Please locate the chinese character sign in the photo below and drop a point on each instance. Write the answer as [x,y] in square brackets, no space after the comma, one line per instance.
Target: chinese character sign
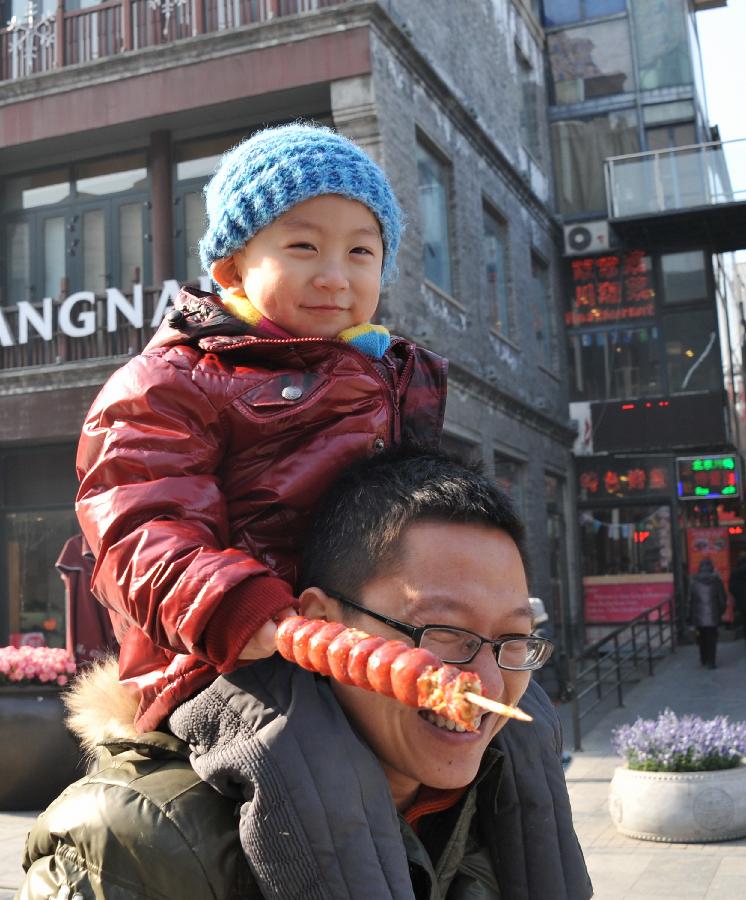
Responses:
[623,478]
[610,288]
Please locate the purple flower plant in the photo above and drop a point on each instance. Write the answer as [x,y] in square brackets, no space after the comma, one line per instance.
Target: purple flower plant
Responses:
[686,744]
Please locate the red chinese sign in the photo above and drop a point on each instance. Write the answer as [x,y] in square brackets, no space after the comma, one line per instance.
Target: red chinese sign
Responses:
[610,288]
[623,478]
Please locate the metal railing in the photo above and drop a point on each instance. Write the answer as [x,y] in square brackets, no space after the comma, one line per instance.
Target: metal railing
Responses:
[92,332]
[618,660]
[39,43]
[676,179]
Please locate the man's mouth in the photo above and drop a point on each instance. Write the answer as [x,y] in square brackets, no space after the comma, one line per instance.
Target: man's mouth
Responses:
[442,722]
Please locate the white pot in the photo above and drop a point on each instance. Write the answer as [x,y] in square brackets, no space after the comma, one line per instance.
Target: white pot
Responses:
[681,807]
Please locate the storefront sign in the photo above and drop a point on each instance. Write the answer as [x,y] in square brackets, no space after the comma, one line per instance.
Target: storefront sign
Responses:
[712,544]
[612,288]
[619,598]
[708,477]
[79,314]
[611,478]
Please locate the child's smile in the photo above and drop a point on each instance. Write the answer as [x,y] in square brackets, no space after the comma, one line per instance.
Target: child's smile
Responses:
[315,271]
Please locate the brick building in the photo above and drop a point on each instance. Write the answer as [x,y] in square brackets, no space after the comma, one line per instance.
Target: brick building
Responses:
[112,117]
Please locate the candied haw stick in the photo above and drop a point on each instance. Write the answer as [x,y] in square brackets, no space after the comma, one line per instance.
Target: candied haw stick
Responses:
[413,676]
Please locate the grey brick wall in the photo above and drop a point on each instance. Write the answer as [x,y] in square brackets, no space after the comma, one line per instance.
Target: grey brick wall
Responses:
[447,73]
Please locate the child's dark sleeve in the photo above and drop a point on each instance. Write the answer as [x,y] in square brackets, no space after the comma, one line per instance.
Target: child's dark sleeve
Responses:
[151,507]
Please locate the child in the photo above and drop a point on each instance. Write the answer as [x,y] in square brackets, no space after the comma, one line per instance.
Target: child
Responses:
[202,459]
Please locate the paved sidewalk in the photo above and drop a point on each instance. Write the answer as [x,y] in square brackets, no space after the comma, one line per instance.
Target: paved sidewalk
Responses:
[622,868]
[627,869]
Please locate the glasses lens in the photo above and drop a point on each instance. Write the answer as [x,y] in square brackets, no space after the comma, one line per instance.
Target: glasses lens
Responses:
[524,653]
[450,645]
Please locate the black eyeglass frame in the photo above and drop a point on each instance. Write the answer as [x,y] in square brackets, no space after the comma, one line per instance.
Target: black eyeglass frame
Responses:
[416,633]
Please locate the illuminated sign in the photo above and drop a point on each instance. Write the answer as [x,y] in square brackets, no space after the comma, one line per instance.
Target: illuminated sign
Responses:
[611,288]
[604,479]
[708,477]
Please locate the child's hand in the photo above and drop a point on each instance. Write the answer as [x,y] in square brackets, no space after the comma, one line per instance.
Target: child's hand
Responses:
[262,644]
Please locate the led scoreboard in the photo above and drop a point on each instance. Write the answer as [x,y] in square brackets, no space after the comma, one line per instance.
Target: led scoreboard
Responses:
[708,477]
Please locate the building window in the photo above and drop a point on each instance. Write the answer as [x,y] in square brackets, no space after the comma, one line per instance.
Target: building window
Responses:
[36,519]
[79,228]
[626,540]
[592,61]
[545,328]
[664,136]
[663,51]
[554,492]
[684,277]
[580,148]
[692,351]
[496,279]
[433,178]
[565,12]
[615,365]
[530,107]
[458,448]
[509,478]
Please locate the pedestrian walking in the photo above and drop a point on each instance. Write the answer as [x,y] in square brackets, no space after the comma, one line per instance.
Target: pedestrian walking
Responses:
[707,599]
[737,587]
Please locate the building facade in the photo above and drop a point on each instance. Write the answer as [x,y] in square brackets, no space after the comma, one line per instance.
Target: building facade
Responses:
[112,118]
[650,211]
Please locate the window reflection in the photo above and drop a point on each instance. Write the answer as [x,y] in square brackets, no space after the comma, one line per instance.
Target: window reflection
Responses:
[432,177]
[626,540]
[495,245]
[39,189]
[615,364]
[111,176]
[684,277]
[692,351]
[662,46]
[588,62]
[580,147]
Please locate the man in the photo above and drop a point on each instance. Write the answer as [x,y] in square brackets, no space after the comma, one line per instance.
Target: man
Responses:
[355,795]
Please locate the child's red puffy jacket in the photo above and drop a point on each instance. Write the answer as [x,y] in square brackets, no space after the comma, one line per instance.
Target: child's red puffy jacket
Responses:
[201,462]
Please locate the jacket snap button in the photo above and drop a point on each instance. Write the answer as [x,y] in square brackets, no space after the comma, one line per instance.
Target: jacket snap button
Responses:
[292,393]
[379,445]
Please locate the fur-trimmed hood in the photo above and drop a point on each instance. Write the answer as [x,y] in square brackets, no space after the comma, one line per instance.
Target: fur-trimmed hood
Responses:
[100,709]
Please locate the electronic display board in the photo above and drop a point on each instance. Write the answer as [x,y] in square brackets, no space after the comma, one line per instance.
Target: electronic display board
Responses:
[708,477]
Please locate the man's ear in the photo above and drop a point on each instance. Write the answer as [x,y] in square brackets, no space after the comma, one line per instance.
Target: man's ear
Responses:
[225,273]
[313,603]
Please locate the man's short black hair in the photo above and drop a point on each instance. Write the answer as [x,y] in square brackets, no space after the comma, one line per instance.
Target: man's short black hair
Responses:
[357,531]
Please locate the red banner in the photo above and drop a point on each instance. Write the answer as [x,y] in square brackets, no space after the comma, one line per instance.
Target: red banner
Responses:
[619,598]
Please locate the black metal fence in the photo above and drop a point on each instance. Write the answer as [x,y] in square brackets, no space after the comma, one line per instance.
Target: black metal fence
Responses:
[617,661]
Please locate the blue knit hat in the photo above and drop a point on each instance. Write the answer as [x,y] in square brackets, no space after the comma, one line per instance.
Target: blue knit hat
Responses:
[273,170]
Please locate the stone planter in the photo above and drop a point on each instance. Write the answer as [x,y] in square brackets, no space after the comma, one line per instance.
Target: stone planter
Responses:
[680,807]
[39,755]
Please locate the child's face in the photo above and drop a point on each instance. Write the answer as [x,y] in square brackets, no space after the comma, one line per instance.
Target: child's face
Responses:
[315,270]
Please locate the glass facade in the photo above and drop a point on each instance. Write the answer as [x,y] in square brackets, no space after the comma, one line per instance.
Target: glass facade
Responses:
[580,147]
[36,519]
[626,540]
[663,51]
[616,364]
[591,61]
[673,349]
[565,12]
[433,180]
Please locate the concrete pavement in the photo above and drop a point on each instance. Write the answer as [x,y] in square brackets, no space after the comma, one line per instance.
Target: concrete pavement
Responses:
[622,868]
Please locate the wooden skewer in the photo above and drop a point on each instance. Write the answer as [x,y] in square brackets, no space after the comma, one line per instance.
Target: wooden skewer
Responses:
[512,712]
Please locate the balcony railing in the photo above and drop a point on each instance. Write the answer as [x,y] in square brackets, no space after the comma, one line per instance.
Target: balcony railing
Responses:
[677,179]
[70,330]
[41,43]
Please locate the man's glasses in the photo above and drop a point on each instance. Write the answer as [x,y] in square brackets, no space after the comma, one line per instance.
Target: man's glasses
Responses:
[517,653]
